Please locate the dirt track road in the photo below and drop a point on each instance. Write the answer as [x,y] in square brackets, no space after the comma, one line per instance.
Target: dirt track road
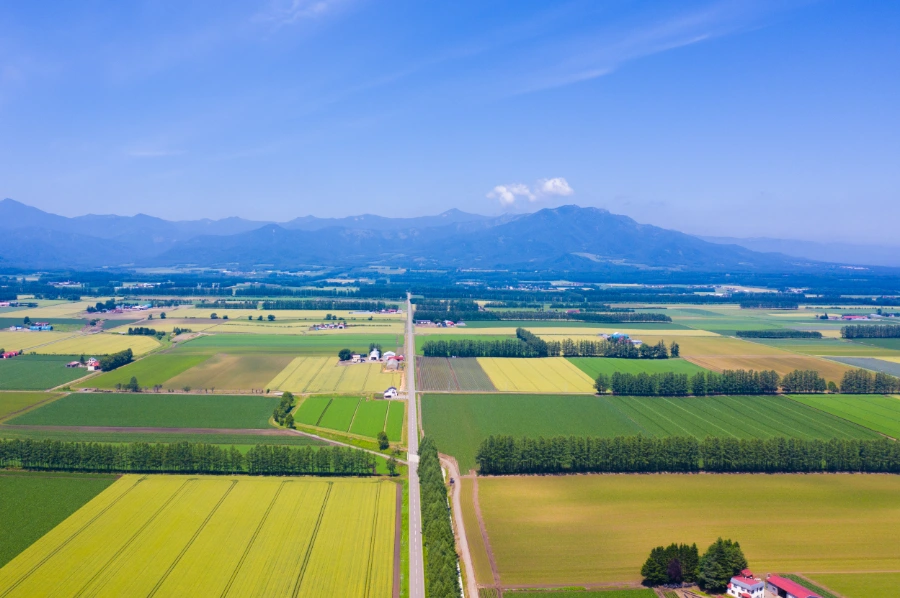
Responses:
[462,541]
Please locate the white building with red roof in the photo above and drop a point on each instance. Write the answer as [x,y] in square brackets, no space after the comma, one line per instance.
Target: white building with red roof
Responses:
[746,585]
[785,588]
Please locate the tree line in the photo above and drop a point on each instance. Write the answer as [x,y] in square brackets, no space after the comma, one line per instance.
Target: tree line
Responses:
[862,381]
[442,565]
[504,455]
[116,360]
[184,457]
[769,304]
[782,333]
[527,344]
[679,563]
[325,304]
[282,414]
[229,304]
[729,382]
[144,331]
[871,331]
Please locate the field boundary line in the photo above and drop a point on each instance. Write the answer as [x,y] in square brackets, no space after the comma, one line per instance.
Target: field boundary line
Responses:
[321,415]
[372,543]
[385,422]
[495,572]
[819,584]
[240,564]
[134,537]
[15,414]
[62,545]
[841,417]
[190,542]
[312,542]
[353,418]
[453,375]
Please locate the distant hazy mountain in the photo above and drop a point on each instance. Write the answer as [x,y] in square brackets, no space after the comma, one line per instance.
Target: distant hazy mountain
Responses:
[568,237]
[838,253]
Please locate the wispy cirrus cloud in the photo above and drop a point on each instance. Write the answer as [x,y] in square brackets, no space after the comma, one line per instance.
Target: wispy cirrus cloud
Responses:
[291,11]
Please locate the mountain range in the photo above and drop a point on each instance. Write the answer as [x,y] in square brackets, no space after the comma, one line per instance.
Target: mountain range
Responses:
[563,238]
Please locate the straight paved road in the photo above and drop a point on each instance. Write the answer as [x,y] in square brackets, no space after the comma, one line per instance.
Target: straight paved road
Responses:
[416,562]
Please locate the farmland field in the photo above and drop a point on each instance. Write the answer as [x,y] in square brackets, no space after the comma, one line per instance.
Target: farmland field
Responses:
[312,374]
[295,327]
[566,324]
[12,402]
[599,528]
[309,315]
[59,324]
[37,372]
[339,413]
[34,503]
[287,343]
[153,410]
[459,423]
[217,536]
[421,339]
[871,363]
[828,347]
[593,366]
[783,364]
[267,436]
[860,585]
[882,343]
[548,374]
[150,371]
[310,410]
[27,341]
[99,344]
[230,372]
[443,374]
[394,425]
[370,418]
[877,412]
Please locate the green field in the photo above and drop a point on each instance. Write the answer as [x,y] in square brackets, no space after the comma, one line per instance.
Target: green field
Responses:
[592,366]
[576,530]
[34,503]
[235,372]
[339,413]
[149,371]
[882,343]
[370,418]
[153,410]
[227,439]
[394,426]
[286,343]
[827,346]
[581,593]
[877,412]
[310,410]
[12,402]
[572,324]
[860,585]
[424,338]
[37,372]
[59,324]
[460,422]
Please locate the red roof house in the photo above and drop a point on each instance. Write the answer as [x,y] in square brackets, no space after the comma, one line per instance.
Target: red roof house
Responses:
[788,589]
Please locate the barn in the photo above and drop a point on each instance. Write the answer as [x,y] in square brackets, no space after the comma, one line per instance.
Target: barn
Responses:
[785,588]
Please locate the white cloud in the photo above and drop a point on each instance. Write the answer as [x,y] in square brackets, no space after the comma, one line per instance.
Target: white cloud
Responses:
[543,188]
[554,186]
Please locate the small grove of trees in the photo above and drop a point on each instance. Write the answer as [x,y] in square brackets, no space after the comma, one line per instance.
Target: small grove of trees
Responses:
[700,384]
[442,567]
[527,344]
[184,457]
[803,381]
[871,331]
[722,560]
[282,414]
[862,381]
[143,331]
[345,354]
[383,442]
[676,563]
[779,333]
[116,360]
[176,331]
[506,455]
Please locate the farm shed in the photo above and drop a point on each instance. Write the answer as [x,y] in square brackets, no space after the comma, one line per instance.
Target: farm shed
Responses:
[785,588]
[375,355]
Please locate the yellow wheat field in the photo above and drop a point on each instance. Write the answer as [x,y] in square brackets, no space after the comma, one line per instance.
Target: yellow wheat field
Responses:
[63,309]
[217,536]
[247,327]
[99,344]
[547,374]
[317,374]
[23,340]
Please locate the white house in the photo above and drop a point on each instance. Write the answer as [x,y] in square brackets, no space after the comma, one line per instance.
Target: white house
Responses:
[745,585]
[356,358]
[391,393]
[93,365]
[374,355]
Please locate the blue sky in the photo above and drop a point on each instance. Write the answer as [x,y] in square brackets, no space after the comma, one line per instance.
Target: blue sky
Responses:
[741,118]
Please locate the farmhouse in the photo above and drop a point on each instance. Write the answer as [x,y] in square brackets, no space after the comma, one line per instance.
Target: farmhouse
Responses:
[391,393]
[73,364]
[745,585]
[93,365]
[9,354]
[356,358]
[854,317]
[785,588]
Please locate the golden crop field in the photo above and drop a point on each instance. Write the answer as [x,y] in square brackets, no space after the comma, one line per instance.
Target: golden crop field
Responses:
[217,536]
[295,327]
[590,333]
[26,340]
[99,344]
[167,325]
[714,345]
[62,309]
[280,314]
[317,374]
[546,374]
[783,364]
[232,372]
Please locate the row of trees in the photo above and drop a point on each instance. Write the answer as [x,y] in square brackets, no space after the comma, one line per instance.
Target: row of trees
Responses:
[442,565]
[144,331]
[527,344]
[116,360]
[779,333]
[282,414]
[500,455]
[325,304]
[671,384]
[184,457]
[229,304]
[862,381]
[871,331]
[679,563]
[769,304]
